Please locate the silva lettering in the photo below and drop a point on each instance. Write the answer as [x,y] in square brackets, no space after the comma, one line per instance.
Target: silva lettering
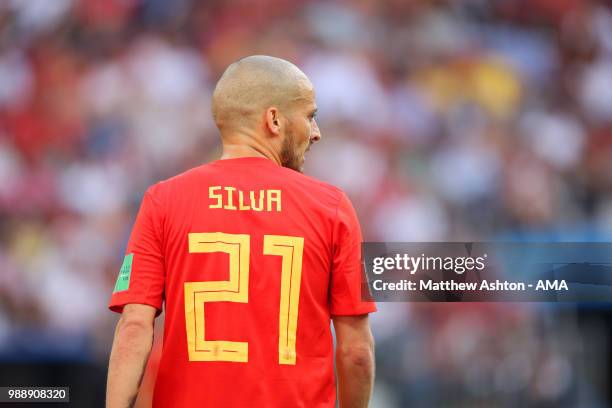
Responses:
[233,199]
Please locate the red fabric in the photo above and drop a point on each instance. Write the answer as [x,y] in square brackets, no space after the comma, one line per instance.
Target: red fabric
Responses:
[330,284]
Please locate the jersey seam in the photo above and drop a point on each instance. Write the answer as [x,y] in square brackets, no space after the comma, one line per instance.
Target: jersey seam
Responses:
[162,243]
[162,217]
[332,250]
[335,223]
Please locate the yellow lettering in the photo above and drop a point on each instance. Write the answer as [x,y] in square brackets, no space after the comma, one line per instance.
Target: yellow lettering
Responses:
[211,195]
[291,249]
[241,205]
[254,205]
[256,202]
[230,198]
[274,196]
[236,289]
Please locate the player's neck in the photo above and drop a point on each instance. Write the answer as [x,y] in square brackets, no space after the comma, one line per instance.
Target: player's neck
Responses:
[235,151]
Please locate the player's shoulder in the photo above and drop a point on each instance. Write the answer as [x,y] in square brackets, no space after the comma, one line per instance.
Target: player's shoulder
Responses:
[186,175]
[313,195]
[311,184]
[288,178]
[169,186]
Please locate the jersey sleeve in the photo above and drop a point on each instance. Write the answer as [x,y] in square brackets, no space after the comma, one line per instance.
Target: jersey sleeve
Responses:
[348,279]
[142,274]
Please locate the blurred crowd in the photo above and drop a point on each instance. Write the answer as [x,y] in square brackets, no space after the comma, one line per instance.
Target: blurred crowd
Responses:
[443,120]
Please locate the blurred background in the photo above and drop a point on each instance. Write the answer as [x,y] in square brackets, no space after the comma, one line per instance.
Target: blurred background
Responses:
[464,120]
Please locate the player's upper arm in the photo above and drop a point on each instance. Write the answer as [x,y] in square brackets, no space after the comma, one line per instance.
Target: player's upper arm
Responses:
[137,316]
[353,335]
[142,276]
[347,275]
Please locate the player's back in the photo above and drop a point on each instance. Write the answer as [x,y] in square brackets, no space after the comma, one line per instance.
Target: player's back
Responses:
[248,252]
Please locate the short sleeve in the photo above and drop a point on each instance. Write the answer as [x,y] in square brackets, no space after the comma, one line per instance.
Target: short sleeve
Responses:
[348,280]
[141,276]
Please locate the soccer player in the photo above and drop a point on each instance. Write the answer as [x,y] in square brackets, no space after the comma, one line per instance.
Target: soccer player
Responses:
[252,259]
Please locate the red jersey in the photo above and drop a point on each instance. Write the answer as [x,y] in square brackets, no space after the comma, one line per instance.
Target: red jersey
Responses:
[251,260]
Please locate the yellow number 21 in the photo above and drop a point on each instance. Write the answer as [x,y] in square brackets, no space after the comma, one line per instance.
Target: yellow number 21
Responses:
[236,289]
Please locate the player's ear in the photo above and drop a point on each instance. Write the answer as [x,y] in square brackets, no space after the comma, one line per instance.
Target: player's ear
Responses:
[273,120]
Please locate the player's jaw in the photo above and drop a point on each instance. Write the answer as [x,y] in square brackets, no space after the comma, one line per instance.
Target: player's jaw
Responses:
[293,153]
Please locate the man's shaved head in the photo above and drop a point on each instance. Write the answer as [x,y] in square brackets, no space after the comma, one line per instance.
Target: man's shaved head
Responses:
[251,85]
[265,106]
